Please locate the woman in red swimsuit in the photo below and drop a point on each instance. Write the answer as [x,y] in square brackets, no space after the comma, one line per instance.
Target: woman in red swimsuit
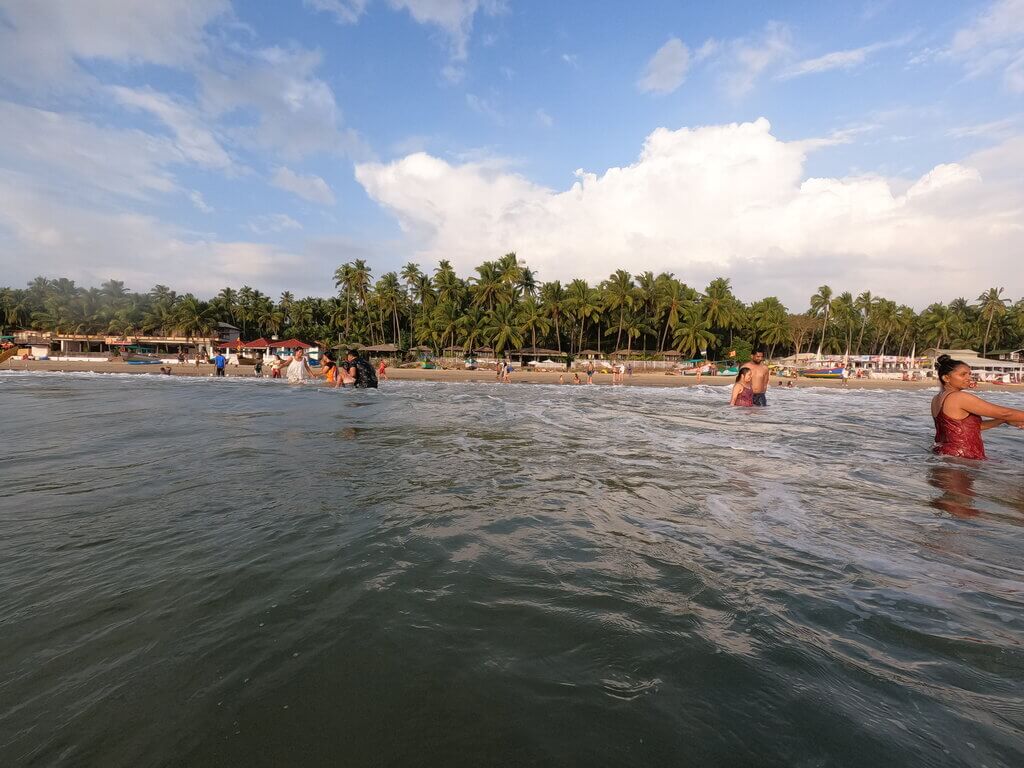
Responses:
[957,414]
[743,389]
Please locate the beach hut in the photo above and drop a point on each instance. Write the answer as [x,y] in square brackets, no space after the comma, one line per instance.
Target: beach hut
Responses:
[985,368]
[381,350]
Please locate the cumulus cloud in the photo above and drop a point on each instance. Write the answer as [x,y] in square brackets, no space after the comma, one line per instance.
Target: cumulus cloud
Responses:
[724,200]
[666,70]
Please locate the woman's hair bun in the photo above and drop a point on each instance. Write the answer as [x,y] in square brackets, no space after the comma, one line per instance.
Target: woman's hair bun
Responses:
[943,358]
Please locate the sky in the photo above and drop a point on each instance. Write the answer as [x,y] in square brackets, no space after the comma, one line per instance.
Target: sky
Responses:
[874,145]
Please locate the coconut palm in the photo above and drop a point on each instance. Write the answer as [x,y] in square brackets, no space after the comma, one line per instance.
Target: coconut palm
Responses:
[992,305]
[821,306]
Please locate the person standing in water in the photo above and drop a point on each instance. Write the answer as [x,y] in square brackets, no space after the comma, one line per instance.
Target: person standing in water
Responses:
[743,390]
[958,414]
[759,378]
[357,372]
[298,369]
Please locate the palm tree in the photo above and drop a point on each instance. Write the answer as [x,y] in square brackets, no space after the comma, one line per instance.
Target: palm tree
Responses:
[488,286]
[821,304]
[992,305]
[620,294]
[693,333]
[533,318]
[552,297]
[864,303]
[503,329]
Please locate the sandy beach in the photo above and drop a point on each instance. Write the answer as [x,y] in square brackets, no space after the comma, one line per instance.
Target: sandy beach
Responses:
[482,376]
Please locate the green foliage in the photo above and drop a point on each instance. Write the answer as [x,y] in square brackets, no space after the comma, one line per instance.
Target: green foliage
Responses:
[503,305]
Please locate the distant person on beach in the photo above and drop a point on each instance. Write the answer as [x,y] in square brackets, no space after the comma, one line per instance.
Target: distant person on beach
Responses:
[181,357]
[759,378]
[358,372]
[298,368]
[499,370]
[257,369]
[590,372]
[382,370]
[561,378]
[575,378]
[507,378]
[958,414]
[743,389]
[220,361]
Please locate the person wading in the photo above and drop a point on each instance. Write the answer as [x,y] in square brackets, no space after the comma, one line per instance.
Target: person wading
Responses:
[759,375]
[957,414]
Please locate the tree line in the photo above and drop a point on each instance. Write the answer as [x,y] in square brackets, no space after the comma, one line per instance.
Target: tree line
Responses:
[504,306]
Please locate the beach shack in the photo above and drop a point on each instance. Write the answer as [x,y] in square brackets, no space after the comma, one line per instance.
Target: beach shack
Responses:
[388,351]
[986,369]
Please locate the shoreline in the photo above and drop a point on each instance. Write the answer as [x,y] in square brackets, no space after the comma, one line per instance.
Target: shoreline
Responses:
[488,377]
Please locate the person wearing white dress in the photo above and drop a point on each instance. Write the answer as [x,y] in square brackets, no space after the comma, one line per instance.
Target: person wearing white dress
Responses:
[298,369]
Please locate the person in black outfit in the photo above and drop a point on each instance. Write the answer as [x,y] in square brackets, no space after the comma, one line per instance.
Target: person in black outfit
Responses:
[358,371]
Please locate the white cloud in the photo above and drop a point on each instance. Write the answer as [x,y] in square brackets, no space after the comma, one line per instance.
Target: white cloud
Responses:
[666,69]
[747,59]
[295,112]
[54,238]
[994,42]
[273,222]
[453,17]
[40,40]
[571,59]
[195,143]
[840,59]
[199,201]
[80,157]
[311,187]
[344,11]
[725,200]
[544,119]
[485,107]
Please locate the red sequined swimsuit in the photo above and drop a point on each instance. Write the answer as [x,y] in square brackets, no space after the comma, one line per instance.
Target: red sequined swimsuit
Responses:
[958,437]
[745,399]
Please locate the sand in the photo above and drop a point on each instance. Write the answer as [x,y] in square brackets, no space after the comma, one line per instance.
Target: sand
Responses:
[483,376]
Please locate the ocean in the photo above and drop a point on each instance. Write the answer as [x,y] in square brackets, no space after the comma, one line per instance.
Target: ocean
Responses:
[201,572]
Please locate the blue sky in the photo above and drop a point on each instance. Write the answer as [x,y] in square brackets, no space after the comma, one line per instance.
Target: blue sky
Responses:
[871,145]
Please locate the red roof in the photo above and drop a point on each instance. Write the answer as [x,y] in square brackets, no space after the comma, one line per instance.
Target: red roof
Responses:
[289,344]
[259,343]
[236,344]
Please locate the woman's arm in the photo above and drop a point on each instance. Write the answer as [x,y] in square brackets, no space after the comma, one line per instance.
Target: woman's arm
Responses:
[979,407]
[991,423]
[736,389]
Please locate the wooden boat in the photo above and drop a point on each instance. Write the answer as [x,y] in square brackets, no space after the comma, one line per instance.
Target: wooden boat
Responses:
[823,373]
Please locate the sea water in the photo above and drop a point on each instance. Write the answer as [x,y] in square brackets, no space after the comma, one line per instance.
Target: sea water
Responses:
[204,572]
